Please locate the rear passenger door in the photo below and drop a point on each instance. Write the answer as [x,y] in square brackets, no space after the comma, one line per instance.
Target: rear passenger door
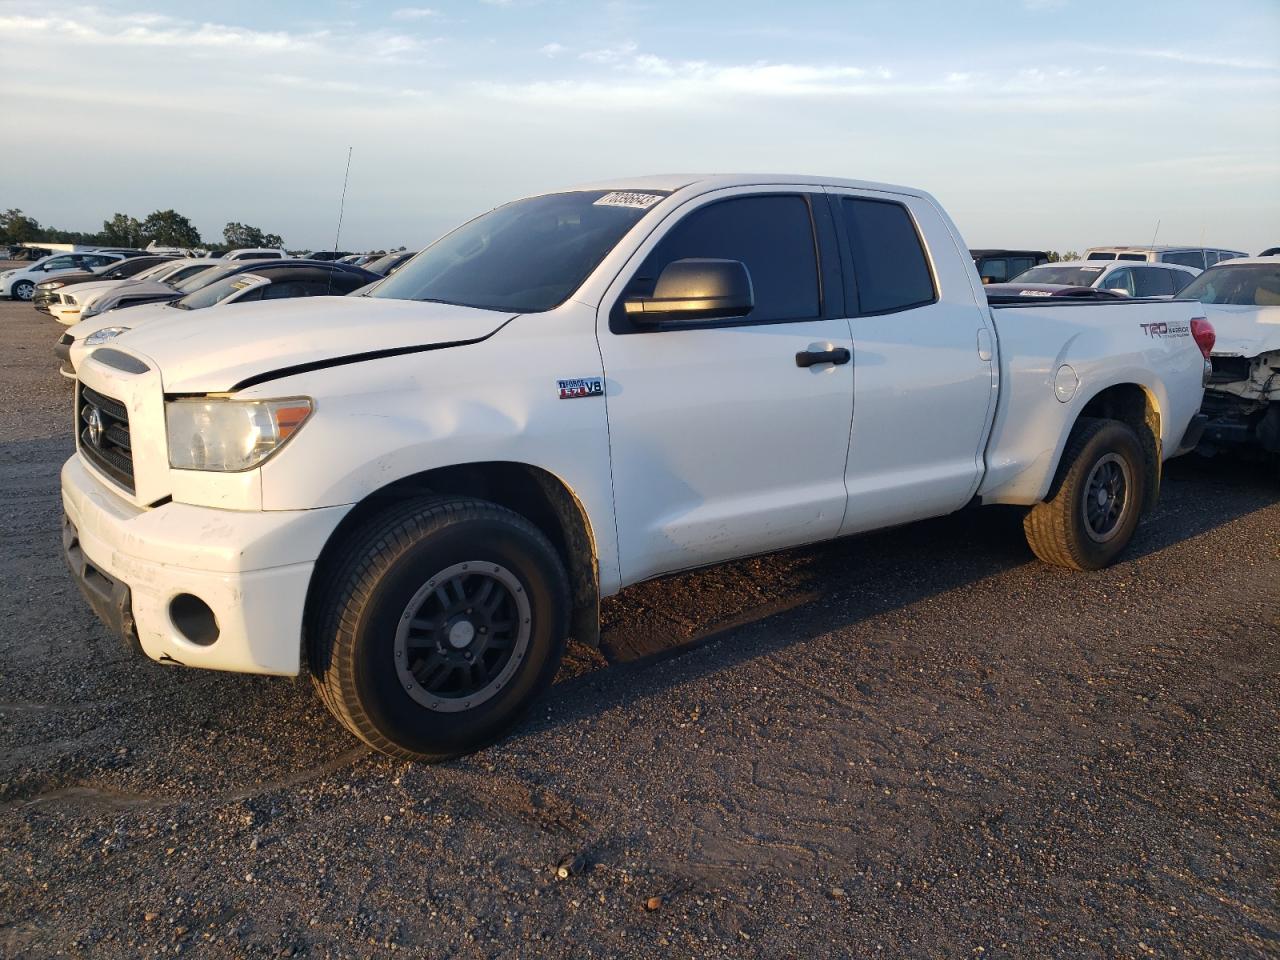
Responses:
[923,383]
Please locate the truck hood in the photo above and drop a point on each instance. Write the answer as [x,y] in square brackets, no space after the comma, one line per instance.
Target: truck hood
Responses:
[214,350]
[1243,331]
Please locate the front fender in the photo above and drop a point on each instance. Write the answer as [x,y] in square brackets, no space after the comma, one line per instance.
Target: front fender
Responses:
[384,420]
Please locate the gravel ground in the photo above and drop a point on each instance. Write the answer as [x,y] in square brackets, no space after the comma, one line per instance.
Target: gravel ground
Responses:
[918,743]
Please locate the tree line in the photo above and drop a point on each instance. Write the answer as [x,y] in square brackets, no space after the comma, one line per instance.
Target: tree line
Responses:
[166,228]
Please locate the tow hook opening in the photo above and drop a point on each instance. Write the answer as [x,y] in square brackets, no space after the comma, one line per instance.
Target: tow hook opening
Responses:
[193,618]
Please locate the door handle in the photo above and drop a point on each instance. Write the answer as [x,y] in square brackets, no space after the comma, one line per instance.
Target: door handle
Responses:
[808,358]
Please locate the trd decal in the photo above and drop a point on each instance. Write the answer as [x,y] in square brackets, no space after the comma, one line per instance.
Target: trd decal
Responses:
[582,387]
[1177,328]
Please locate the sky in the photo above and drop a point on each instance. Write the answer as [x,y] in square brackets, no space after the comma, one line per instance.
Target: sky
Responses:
[1050,124]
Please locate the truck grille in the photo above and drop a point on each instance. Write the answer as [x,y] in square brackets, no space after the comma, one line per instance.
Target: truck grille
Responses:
[104,435]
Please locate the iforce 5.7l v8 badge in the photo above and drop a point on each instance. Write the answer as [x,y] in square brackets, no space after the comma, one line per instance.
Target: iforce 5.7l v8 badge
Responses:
[582,387]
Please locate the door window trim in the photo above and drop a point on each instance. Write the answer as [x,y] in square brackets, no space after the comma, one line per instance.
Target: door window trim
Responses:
[826,265]
[846,257]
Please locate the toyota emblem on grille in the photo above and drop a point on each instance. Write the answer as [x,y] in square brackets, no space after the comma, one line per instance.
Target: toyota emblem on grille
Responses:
[95,426]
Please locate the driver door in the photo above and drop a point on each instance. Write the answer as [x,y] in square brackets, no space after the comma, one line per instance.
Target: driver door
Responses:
[721,443]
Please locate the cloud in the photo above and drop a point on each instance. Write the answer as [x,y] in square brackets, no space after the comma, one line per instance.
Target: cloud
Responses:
[552,49]
[159,31]
[606,55]
[1183,56]
[414,13]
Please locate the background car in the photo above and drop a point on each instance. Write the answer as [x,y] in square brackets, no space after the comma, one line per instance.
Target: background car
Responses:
[247,284]
[255,253]
[1198,257]
[20,284]
[1241,298]
[95,297]
[1126,278]
[47,290]
[385,266]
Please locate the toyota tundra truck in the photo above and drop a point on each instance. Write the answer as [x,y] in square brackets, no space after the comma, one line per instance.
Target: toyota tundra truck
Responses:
[416,496]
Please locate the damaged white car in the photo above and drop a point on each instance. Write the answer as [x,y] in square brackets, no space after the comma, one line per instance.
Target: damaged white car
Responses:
[1242,398]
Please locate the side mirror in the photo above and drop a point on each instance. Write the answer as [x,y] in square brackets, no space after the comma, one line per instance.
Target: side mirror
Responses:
[693,290]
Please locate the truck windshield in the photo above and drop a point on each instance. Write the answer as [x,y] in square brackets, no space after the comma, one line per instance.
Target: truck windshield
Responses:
[524,257]
[1253,285]
[1069,276]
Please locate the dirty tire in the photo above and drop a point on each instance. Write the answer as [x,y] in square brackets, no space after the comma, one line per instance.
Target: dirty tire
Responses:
[24,290]
[1064,530]
[378,574]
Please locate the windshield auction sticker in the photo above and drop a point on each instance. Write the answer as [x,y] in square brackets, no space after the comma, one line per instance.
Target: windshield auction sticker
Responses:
[639,201]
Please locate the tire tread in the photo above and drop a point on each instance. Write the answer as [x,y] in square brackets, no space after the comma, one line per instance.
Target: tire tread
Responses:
[347,588]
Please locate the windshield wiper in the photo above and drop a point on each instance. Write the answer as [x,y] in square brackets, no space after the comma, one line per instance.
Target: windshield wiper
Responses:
[179,304]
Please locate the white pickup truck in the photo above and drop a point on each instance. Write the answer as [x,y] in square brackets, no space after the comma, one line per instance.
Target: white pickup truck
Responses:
[417,495]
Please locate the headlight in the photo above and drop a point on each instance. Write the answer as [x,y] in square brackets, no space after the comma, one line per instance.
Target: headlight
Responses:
[103,335]
[51,284]
[90,311]
[230,435]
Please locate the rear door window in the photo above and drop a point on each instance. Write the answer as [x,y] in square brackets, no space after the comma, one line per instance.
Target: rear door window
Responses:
[890,269]
[1152,282]
[1179,279]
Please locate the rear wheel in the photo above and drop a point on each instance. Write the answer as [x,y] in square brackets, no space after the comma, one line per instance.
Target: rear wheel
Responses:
[1096,500]
[439,625]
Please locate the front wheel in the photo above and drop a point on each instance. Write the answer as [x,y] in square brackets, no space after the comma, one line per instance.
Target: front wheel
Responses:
[1096,500]
[24,290]
[441,622]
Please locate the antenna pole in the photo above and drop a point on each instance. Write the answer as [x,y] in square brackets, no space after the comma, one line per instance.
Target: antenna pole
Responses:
[342,204]
[1153,236]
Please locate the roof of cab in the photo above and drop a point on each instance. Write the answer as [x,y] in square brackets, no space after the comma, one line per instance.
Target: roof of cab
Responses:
[714,181]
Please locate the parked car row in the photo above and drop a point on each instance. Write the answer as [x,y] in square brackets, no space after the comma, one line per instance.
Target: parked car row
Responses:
[99,312]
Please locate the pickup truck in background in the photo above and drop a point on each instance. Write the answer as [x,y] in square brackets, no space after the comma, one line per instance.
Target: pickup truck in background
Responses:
[417,495]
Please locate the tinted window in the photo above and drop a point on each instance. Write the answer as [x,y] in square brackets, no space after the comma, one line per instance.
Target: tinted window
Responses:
[889,264]
[1138,257]
[1186,258]
[1101,256]
[60,263]
[1152,282]
[289,289]
[523,257]
[1179,279]
[995,270]
[340,284]
[1020,265]
[772,235]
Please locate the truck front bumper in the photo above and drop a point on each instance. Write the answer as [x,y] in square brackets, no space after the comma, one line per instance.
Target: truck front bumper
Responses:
[195,586]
